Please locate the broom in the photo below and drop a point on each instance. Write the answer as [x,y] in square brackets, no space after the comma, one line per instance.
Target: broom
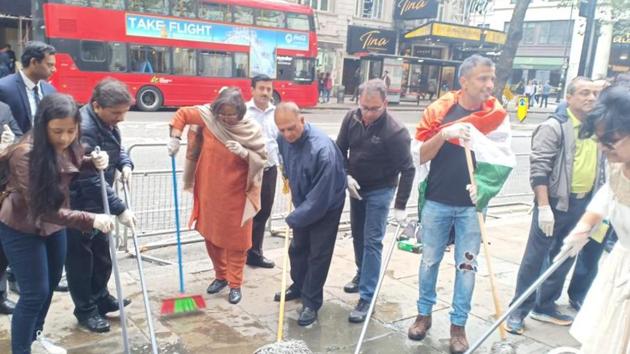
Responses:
[182,304]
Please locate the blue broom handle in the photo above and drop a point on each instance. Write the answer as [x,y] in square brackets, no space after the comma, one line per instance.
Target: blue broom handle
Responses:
[177,226]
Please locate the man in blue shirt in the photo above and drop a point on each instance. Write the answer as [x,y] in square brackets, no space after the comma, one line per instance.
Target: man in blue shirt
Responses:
[314,167]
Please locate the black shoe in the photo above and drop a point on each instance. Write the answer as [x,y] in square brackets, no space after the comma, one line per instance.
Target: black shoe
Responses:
[359,313]
[63,285]
[577,305]
[110,304]
[7,306]
[95,324]
[353,285]
[307,316]
[289,294]
[260,262]
[235,295]
[216,286]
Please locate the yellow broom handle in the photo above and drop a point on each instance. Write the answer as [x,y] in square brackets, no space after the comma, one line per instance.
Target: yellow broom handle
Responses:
[484,241]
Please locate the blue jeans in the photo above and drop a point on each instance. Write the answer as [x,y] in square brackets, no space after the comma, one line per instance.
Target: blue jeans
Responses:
[437,221]
[539,253]
[37,263]
[368,218]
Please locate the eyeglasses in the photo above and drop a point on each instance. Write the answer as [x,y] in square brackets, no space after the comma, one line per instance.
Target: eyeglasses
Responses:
[610,144]
[223,115]
[371,109]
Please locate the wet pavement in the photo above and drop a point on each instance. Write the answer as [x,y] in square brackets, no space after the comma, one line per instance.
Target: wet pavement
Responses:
[242,328]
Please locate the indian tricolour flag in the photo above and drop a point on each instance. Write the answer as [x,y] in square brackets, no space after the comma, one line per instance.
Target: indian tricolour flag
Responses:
[490,141]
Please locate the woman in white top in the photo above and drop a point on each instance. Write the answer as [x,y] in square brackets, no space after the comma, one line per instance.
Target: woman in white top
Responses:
[603,323]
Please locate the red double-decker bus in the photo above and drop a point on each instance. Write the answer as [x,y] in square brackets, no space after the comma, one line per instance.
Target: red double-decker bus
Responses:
[180,52]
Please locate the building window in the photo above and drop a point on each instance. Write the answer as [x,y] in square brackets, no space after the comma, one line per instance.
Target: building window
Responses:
[321,5]
[184,61]
[215,64]
[215,12]
[147,59]
[183,8]
[369,9]
[546,32]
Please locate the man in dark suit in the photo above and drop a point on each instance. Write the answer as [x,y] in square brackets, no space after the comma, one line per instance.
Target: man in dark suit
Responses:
[23,90]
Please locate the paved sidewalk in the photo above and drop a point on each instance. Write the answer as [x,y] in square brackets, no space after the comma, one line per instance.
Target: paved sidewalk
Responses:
[235,329]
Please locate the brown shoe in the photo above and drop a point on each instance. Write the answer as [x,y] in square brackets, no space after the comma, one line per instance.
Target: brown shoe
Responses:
[459,343]
[418,329]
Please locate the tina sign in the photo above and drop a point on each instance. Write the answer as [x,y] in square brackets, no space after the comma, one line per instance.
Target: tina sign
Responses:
[364,39]
[415,9]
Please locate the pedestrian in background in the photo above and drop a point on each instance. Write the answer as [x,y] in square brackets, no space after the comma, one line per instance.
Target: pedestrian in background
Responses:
[546,90]
[328,86]
[261,111]
[314,167]
[89,264]
[529,92]
[376,151]
[321,87]
[35,212]
[564,173]
[227,184]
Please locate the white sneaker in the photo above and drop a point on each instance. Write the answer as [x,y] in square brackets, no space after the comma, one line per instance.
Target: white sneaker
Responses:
[44,345]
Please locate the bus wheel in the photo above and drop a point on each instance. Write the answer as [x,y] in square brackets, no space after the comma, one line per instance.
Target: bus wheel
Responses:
[149,99]
[276,97]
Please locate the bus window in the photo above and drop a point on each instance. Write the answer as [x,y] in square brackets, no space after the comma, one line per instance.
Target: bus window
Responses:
[183,8]
[215,64]
[244,15]
[241,64]
[108,4]
[93,51]
[298,22]
[118,61]
[270,18]
[74,2]
[150,6]
[304,69]
[184,61]
[149,60]
[215,12]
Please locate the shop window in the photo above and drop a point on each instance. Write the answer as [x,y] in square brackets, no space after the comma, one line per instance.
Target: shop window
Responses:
[118,61]
[183,8]
[146,59]
[215,64]
[369,9]
[149,6]
[241,65]
[270,18]
[215,12]
[93,52]
[184,61]
[298,22]
[244,15]
[321,5]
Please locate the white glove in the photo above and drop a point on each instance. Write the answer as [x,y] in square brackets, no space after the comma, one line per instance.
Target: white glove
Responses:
[353,188]
[457,131]
[103,223]
[472,191]
[236,148]
[100,159]
[125,174]
[401,216]
[546,220]
[576,240]
[173,145]
[7,136]
[127,218]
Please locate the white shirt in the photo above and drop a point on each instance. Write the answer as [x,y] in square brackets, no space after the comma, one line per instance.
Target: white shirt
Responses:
[31,94]
[269,129]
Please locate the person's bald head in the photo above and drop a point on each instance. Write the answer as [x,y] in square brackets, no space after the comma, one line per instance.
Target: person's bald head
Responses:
[290,121]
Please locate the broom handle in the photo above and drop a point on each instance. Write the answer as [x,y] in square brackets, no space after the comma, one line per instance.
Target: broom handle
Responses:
[285,261]
[177,226]
[484,242]
[112,251]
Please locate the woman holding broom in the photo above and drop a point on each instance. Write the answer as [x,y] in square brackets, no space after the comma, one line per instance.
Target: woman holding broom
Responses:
[603,323]
[34,213]
[227,181]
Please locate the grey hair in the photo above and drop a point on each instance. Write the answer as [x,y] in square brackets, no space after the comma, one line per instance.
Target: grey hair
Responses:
[472,62]
[288,106]
[374,86]
[573,83]
[230,96]
[110,92]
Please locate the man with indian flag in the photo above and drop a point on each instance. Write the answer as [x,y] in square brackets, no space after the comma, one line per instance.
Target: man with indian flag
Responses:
[466,119]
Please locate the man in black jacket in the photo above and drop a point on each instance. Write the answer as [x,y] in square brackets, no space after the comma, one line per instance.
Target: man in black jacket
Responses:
[88,263]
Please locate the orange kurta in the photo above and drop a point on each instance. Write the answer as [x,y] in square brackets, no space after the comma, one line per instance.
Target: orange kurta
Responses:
[219,189]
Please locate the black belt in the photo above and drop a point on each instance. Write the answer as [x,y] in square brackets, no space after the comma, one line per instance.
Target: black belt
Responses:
[580,195]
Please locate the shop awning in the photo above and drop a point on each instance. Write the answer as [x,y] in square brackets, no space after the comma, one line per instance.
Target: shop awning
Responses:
[450,32]
[540,63]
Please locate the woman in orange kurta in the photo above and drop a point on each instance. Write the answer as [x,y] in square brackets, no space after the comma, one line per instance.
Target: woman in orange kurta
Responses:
[226,189]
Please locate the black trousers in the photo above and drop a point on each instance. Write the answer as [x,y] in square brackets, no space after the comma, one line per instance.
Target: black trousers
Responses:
[310,254]
[267,193]
[4,263]
[88,268]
